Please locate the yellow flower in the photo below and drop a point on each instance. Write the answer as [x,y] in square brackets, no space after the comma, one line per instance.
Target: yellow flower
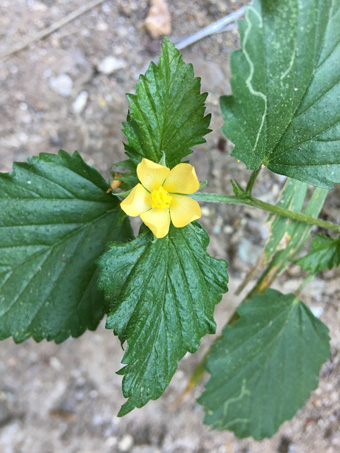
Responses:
[162,197]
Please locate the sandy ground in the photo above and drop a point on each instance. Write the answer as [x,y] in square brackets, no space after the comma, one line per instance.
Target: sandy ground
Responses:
[65,398]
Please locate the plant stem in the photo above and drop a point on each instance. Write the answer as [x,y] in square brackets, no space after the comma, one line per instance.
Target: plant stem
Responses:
[274,209]
[304,284]
[251,181]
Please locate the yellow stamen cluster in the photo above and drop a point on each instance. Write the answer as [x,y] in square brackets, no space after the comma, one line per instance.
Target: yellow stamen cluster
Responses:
[160,198]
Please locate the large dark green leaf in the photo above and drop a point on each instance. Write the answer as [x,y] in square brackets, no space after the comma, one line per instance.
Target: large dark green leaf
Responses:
[284,112]
[167,112]
[162,294]
[55,221]
[325,254]
[265,365]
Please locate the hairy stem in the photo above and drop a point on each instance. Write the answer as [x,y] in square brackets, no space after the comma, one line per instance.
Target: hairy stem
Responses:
[252,180]
[248,200]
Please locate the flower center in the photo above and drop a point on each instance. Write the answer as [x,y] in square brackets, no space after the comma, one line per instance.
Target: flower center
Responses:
[160,198]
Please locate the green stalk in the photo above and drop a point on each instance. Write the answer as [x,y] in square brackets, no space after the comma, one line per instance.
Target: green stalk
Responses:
[304,284]
[274,209]
[251,181]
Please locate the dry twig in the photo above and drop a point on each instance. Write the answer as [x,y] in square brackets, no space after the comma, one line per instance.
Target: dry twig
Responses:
[215,27]
[47,31]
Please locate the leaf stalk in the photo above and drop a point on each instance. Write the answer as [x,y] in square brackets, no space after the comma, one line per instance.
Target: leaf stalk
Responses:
[248,200]
[252,180]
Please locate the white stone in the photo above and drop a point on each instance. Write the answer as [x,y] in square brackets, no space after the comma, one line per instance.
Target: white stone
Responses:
[54,361]
[80,103]
[102,26]
[61,84]
[317,311]
[110,64]
[126,443]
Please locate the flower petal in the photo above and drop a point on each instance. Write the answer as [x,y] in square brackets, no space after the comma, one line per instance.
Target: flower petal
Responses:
[182,179]
[138,201]
[151,175]
[184,210]
[158,220]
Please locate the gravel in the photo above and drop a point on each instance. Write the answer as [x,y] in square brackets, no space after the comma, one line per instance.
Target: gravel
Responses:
[68,91]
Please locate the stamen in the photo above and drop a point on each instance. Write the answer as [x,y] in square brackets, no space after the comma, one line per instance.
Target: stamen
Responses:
[160,198]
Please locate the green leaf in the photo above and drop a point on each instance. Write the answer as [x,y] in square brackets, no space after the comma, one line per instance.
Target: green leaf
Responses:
[167,112]
[325,254]
[129,178]
[162,294]
[55,221]
[288,236]
[292,197]
[284,112]
[265,365]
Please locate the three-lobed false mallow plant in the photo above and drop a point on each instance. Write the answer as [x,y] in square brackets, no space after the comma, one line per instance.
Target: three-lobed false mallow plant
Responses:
[68,255]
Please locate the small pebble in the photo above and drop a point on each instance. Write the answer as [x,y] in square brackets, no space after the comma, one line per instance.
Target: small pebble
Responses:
[317,311]
[110,64]
[126,443]
[61,84]
[102,26]
[55,363]
[205,211]
[80,103]
[158,21]
[56,141]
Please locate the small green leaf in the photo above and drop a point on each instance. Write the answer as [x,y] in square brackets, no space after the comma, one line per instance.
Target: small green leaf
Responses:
[162,294]
[325,254]
[284,112]
[129,178]
[55,221]
[167,112]
[127,164]
[288,236]
[265,365]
